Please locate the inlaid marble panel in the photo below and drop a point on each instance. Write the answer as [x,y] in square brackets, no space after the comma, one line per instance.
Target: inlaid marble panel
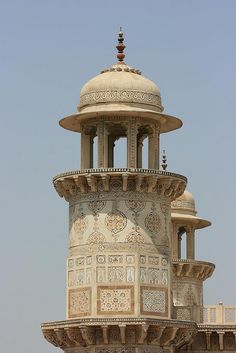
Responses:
[79,302]
[115,300]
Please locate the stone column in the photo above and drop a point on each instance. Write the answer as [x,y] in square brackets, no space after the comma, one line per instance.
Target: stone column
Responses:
[234,332]
[82,149]
[132,143]
[85,150]
[190,243]
[208,340]
[91,151]
[151,151]
[153,148]
[100,134]
[221,339]
[139,153]
[106,146]
[174,242]
[179,245]
[111,145]
[158,150]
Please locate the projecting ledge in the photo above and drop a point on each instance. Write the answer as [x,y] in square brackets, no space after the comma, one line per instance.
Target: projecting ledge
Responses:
[192,268]
[87,332]
[131,179]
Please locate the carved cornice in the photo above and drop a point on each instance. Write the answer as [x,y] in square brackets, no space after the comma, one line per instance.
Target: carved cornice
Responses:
[161,333]
[162,183]
[193,269]
[217,328]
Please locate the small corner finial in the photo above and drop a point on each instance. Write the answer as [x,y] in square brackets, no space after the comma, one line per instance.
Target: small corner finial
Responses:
[164,160]
[120,47]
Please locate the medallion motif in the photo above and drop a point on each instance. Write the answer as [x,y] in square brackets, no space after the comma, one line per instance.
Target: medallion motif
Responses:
[96,238]
[80,224]
[135,237]
[96,206]
[115,221]
[153,222]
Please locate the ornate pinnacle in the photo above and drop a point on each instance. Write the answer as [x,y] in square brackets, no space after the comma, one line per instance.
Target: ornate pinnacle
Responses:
[164,160]
[120,47]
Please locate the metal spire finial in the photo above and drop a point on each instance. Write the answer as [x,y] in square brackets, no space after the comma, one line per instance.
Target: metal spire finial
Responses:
[164,160]
[120,47]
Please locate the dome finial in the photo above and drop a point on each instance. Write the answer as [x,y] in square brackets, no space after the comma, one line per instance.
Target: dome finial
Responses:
[164,160]
[120,47]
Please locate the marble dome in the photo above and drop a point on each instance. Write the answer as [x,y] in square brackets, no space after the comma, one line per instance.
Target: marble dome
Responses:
[120,91]
[120,85]
[185,203]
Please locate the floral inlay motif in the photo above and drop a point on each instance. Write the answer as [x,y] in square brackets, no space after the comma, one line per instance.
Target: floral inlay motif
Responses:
[135,237]
[153,222]
[80,224]
[117,300]
[96,238]
[115,221]
[79,302]
[135,205]
[165,208]
[96,206]
[115,274]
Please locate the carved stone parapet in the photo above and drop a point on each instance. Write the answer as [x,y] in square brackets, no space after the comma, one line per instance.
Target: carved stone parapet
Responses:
[162,183]
[191,268]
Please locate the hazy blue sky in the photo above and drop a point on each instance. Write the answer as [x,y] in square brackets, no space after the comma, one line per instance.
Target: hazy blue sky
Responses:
[49,49]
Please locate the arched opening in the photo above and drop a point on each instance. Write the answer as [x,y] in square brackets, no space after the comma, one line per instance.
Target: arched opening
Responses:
[116,145]
[182,241]
[120,153]
[94,149]
[145,153]
[183,246]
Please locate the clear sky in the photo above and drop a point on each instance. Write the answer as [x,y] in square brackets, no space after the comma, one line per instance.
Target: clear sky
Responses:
[49,49]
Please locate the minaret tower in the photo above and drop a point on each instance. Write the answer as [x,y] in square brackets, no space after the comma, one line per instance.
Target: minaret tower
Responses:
[188,273]
[119,266]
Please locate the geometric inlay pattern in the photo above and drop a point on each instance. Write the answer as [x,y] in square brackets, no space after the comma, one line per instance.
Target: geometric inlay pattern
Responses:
[154,301]
[183,314]
[115,300]
[135,205]
[230,315]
